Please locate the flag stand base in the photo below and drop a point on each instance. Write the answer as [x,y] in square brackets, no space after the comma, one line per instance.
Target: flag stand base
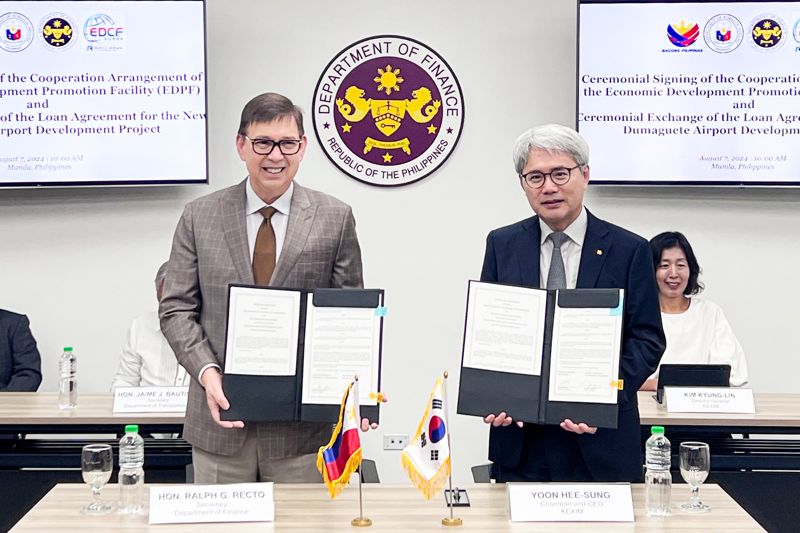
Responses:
[361,522]
[452,522]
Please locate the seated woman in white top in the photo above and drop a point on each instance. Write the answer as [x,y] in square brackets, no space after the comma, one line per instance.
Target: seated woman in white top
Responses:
[696,330]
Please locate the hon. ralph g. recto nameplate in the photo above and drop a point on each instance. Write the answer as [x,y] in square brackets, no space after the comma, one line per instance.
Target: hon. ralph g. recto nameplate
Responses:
[237,502]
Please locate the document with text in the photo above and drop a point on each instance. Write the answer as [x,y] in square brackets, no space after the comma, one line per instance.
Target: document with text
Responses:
[340,342]
[504,328]
[584,359]
[262,332]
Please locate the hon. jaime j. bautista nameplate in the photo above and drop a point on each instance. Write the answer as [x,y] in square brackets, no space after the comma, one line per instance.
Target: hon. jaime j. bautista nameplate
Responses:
[570,502]
[150,399]
[388,110]
[237,502]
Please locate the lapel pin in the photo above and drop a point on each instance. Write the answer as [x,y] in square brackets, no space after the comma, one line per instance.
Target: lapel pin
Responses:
[598,252]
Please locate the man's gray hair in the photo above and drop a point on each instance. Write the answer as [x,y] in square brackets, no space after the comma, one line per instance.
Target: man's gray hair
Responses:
[553,138]
[162,273]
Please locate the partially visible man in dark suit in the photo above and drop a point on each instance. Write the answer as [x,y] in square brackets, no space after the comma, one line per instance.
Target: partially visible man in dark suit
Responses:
[565,246]
[266,230]
[20,363]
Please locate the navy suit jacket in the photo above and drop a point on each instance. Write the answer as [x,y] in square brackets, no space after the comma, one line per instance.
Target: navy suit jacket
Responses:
[612,257]
[20,364]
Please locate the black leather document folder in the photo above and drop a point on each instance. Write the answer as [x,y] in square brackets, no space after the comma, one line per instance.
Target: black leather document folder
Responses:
[525,396]
[278,398]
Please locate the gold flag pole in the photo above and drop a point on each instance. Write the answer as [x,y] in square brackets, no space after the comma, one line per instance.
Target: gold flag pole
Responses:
[361,520]
[451,520]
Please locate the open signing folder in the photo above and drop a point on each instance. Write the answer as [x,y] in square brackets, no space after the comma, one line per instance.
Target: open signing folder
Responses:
[290,353]
[542,356]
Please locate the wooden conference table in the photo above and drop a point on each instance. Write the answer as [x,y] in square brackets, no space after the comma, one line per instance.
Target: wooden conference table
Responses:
[775,414]
[37,413]
[34,413]
[391,508]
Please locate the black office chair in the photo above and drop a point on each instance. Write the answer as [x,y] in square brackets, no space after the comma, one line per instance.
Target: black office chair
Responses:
[369,471]
[482,473]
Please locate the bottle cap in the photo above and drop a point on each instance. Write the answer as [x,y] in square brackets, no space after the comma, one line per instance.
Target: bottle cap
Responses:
[657,430]
[132,428]
[67,348]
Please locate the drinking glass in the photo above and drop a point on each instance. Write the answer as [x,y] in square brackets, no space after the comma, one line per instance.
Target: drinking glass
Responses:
[97,462]
[695,463]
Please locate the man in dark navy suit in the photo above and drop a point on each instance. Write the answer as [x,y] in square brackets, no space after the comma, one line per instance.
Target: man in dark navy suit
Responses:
[20,364]
[565,246]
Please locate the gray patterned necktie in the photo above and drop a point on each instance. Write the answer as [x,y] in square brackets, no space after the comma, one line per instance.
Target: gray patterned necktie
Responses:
[557,276]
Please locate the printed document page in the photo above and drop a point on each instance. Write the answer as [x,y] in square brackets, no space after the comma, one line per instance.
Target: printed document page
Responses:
[262,332]
[340,342]
[584,360]
[505,328]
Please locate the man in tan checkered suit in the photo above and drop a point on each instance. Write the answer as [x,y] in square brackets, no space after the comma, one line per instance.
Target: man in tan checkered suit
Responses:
[316,246]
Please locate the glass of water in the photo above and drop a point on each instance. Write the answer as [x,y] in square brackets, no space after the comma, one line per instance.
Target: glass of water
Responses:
[97,462]
[695,460]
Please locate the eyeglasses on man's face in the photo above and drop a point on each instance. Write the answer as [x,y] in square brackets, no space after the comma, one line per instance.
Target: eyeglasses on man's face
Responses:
[266,146]
[559,176]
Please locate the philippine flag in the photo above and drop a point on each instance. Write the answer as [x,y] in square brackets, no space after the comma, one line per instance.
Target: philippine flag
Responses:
[342,455]
[427,457]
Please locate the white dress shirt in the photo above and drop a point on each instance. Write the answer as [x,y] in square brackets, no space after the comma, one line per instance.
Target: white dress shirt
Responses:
[570,250]
[702,335]
[147,359]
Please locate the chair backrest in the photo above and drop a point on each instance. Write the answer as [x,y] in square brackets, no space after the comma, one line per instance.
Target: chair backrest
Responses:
[369,471]
[482,473]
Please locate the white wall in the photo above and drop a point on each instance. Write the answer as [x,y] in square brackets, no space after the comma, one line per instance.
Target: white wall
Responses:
[80,262]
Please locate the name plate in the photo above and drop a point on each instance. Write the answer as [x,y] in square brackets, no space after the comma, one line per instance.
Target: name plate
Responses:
[150,399]
[237,502]
[709,400]
[570,502]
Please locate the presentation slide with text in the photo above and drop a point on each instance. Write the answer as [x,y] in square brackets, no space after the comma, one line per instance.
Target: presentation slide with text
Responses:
[102,92]
[691,93]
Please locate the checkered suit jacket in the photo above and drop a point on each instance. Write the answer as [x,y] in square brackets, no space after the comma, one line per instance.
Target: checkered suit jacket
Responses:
[209,251]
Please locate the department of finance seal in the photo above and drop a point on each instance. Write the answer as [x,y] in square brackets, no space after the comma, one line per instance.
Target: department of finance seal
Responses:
[388,110]
[57,31]
[767,32]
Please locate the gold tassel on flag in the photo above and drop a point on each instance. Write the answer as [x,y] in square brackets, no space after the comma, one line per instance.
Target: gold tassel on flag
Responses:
[338,463]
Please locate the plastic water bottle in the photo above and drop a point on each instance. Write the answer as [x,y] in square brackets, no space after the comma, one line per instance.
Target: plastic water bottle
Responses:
[68,379]
[658,479]
[131,472]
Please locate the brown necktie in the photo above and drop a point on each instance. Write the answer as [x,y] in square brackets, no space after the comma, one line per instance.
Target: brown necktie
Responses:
[264,251]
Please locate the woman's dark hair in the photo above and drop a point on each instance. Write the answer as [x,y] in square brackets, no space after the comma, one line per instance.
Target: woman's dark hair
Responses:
[672,239]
